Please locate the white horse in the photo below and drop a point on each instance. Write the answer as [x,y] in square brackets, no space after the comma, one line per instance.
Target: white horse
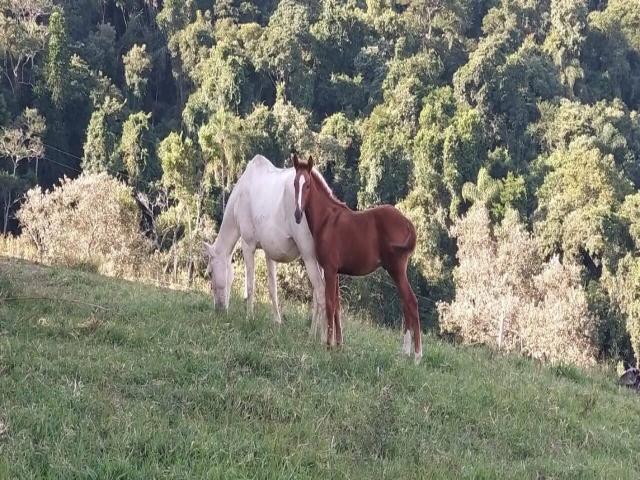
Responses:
[261,213]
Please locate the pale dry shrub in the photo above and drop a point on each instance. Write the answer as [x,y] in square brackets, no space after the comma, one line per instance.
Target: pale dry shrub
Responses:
[560,328]
[92,221]
[18,247]
[508,298]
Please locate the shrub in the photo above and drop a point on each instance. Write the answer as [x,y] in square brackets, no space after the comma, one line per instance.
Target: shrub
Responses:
[507,297]
[90,221]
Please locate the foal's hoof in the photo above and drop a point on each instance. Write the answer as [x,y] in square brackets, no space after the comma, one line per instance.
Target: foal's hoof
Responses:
[418,358]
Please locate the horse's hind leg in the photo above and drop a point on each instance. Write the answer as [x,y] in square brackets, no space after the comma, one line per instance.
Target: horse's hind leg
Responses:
[248,253]
[411,328]
[273,289]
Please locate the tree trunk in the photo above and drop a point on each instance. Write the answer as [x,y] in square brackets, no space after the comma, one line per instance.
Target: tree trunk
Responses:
[7,208]
[190,260]
[175,257]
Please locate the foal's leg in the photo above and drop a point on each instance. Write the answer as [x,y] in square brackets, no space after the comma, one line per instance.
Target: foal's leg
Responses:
[248,253]
[273,289]
[331,281]
[337,322]
[410,312]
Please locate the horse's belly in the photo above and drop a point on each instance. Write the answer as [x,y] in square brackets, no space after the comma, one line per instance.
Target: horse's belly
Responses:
[283,251]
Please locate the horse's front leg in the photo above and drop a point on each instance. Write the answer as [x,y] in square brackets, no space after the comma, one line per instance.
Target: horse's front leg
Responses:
[330,289]
[273,289]
[318,311]
[248,253]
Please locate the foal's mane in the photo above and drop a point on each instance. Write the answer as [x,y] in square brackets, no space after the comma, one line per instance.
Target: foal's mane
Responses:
[327,190]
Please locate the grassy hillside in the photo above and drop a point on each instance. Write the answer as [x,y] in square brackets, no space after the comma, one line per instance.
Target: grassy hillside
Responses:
[157,386]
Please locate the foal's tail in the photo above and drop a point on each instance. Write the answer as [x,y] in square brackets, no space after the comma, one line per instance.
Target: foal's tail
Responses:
[409,243]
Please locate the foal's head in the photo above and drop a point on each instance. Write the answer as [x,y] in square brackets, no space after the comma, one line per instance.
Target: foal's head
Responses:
[302,184]
[220,272]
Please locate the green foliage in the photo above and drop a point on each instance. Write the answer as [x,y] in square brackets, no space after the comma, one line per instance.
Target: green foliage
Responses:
[285,51]
[408,80]
[137,66]
[449,149]
[566,38]
[57,59]
[342,137]
[609,125]
[223,145]
[579,213]
[103,134]
[385,164]
[99,50]
[181,165]
[136,149]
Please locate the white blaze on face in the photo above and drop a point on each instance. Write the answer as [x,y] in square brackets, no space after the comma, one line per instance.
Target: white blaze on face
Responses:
[300,185]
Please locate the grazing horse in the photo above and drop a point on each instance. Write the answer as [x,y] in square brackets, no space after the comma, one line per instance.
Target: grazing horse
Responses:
[356,243]
[260,212]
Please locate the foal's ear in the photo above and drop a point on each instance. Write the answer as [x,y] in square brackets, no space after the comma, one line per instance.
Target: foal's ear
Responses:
[294,159]
[310,163]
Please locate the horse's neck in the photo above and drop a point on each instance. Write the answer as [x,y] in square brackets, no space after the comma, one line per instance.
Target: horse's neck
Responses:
[229,232]
[320,209]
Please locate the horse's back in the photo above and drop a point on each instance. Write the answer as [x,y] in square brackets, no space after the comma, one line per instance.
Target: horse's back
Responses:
[264,217]
[393,227]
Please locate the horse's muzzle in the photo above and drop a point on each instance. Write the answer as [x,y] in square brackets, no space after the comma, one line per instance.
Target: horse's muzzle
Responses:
[298,216]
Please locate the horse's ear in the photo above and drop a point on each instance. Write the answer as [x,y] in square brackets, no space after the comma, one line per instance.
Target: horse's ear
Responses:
[310,163]
[294,159]
[207,249]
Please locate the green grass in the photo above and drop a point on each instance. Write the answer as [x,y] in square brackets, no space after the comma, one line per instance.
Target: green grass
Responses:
[160,387]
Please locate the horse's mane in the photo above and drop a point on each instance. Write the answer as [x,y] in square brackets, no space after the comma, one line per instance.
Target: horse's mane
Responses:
[327,190]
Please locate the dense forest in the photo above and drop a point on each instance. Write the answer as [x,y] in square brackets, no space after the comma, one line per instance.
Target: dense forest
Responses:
[507,130]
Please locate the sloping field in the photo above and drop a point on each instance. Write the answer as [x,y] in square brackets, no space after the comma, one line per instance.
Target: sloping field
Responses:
[157,386]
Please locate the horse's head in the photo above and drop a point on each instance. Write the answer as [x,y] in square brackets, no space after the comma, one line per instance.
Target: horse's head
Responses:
[301,184]
[220,273]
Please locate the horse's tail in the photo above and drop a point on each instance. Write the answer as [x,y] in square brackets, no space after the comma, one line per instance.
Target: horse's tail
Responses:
[409,242]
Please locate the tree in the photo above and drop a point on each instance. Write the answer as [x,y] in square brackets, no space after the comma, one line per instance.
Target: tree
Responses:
[135,149]
[137,66]
[103,132]
[57,59]
[449,149]
[100,50]
[224,147]
[341,138]
[22,36]
[385,159]
[566,39]
[19,143]
[189,177]
[577,213]
[23,141]
[188,45]
[286,52]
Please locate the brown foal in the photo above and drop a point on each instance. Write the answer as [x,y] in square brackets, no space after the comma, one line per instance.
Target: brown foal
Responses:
[356,243]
